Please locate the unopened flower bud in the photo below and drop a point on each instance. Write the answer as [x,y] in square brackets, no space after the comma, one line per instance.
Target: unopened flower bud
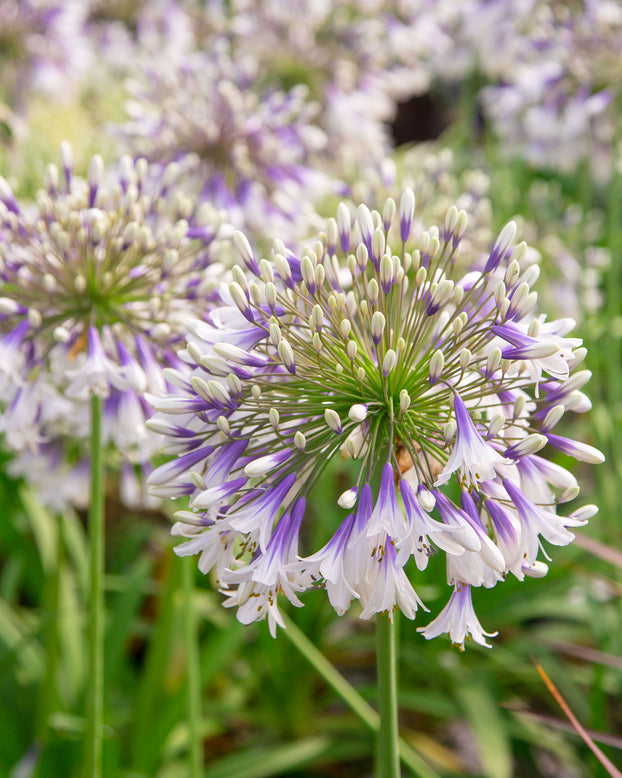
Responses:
[389,362]
[332,419]
[437,363]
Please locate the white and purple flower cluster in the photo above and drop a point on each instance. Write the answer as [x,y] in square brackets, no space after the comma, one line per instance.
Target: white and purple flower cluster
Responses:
[555,103]
[246,149]
[430,370]
[97,281]
[43,48]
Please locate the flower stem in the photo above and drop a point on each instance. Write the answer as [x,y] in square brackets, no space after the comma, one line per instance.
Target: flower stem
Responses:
[95,704]
[49,701]
[193,674]
[388,761]
[357,704]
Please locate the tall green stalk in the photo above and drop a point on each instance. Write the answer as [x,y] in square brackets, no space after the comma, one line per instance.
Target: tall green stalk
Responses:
[96,528]
[387,755]
[193,672]
[357,704]
[49,700]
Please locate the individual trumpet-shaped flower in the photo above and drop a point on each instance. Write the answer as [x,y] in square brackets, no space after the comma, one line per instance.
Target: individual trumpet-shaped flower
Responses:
[96,282]
[472,456]
[458,619]
[386,347]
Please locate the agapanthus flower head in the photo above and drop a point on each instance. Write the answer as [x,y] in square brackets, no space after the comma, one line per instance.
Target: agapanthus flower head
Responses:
[97,280]
[382,345]
[247,148]
[42,46]
[555,104]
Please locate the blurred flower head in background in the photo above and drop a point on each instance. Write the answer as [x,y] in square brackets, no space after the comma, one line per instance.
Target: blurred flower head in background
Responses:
[97,280]
[247,148]
[43,47]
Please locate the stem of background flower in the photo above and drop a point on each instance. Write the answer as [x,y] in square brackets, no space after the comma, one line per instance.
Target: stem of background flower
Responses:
[49,687]
[387,755]
[96,528]
[357,704]
[193,673]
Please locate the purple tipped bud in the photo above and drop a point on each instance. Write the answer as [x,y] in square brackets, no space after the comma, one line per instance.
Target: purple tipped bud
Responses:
[407,213]
[502,244]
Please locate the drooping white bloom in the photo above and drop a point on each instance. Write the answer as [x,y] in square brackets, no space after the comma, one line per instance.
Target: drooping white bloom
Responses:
[458,619]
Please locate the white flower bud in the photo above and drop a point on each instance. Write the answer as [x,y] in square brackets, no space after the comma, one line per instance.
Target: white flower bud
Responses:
[451,219]
[389,362]
[254,291]
[493,361]
[348,498]
[239,298]
[283,268]
[244,250]
[372,291]
[421,276]
[362,256]
[518,254]
[332,419]
[273,418]
[287,356]
[585,513]
[512,273]
[344,224]
[496,425]
[388,213]
[527,446]
[437,363]
[316,320]
[552,418]
[262,465]
[275,333]
[265,271]
[385,272]
[332,234]
[307,270]
[461,226]
[271,295]
[378,243]
[365,221]
[95,171]
[378,323]
[35,319]
[358,413]
[506,237]
[449,431]
[407,212]
[223,425]
[465,358]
